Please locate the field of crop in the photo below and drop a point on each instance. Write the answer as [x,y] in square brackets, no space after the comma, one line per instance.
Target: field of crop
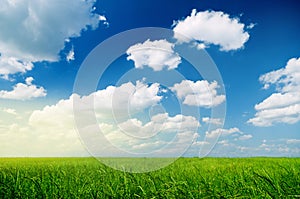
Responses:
[186,178]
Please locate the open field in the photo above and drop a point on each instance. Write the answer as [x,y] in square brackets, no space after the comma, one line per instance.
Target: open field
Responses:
[186,178]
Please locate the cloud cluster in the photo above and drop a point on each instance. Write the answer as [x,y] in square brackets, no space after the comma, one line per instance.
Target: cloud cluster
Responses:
[283,147]
[10,111]
[159,123]
[138,137]
[34,31]
[201,28]
[216,121]
[56,123]
[11,65]
[110,102]
[158,54]
[71,55]
[200,93]
[51,131]
[283,106]
[23,91]
[234,132]
[222,132]
[211,27]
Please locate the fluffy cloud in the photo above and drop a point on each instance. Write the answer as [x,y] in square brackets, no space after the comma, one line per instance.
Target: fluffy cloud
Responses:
[56,123]
[224,142]
[222,132]
[51,131]
[234,132]
[293,141]
[138,137]
[24,91]
[126,99]
[279,148]
[34,31]
[283,106]
[158,54]
[10,111]
[11,65]
[245,137]
[159,123]
[216,121]
[211,27]
[199,93]
[71,55]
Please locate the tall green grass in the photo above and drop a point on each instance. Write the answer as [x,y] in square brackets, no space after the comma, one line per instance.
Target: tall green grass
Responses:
[186,178]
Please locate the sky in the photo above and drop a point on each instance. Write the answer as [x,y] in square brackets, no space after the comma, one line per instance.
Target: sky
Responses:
[150,78]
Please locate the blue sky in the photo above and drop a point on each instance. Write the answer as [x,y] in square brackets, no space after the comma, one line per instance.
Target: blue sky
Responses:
[41,54]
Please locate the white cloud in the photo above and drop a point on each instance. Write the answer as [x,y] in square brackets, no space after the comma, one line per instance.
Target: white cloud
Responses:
[103,19]
[293,141]
[159,123]
[212,27]
[245,137]
[71,55]
[216,121]
[199,93]
[37,31]
[10,111]
[158,54]
[138,137]
[24,91]
[51,131]
[283,106]
[251,25]
[11,65]
[282,147]
[286,79]
[224,142]
[200,143]
[222,132]
[126,99]
[201,46]
[58,120]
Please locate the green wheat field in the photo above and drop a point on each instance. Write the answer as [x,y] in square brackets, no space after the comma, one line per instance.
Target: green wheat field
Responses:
[185,178]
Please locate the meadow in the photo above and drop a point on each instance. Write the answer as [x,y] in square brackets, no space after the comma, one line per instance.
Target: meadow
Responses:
[185,178]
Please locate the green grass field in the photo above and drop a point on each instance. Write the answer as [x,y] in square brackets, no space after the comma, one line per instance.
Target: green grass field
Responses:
[186,178]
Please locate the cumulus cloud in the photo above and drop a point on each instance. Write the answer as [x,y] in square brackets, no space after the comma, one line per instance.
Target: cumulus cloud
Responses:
[10,111]
[11,65]
[132,135]
[71,55]
[138,137]
[293,141]
[159,123]
[122,100]
[280,148]
[37,31]
[158,54]
[23,91]
[51,131]
[103,19]
[222,132]
[283,106]
[200,93]
[245,137]
[228,144]
[224,142]
[216,121]
[212,27]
